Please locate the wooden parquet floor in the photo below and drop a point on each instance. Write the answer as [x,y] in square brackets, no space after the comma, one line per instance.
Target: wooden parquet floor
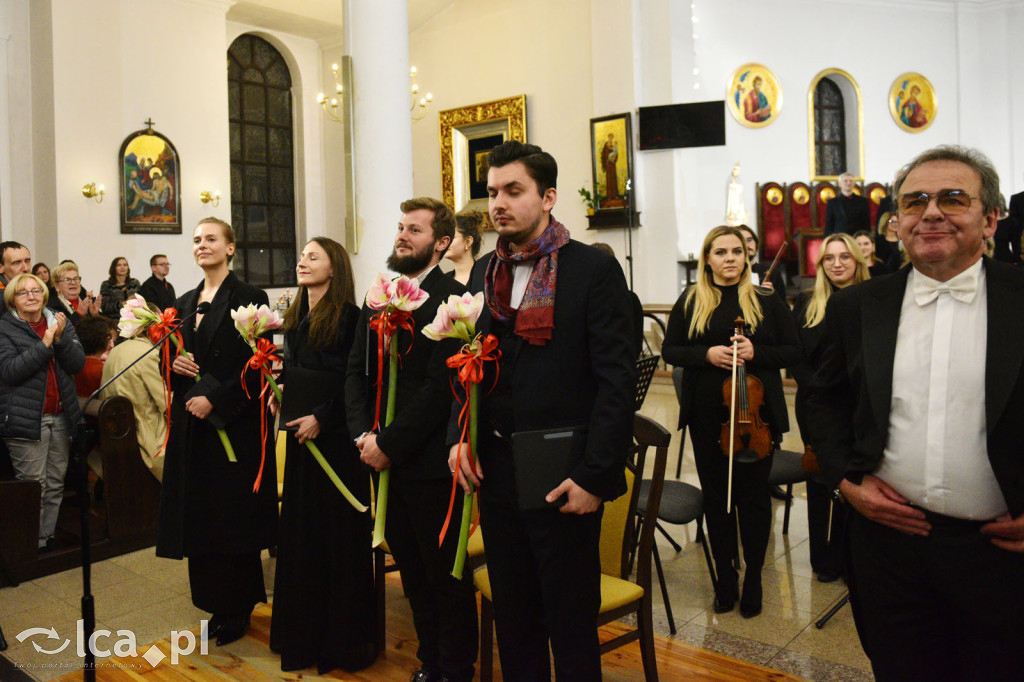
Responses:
[251,659]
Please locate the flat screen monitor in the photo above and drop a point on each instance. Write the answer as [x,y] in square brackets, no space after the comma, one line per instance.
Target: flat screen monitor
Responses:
[698,124]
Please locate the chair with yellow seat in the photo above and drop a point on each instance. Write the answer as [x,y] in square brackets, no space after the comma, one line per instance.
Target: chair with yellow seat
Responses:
[619,595]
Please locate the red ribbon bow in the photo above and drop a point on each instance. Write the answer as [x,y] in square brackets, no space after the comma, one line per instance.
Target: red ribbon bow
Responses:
[470,366]
[262,360]
[166,326]
[386,323]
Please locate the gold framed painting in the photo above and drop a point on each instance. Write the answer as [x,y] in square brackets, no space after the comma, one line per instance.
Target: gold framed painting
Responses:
[913,102]
[754,95]
[467,135]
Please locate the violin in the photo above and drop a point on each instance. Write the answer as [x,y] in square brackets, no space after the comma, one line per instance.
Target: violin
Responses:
[744,396]
[746,436]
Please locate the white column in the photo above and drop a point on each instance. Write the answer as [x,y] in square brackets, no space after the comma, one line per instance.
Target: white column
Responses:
[377,39]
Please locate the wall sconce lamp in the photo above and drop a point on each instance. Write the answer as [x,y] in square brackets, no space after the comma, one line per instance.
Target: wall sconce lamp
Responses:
[330,104]
[210,197]
[94,191]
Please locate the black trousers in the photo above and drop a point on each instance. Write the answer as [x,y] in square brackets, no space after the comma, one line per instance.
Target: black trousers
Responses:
[443,608]
[751,503]
[545,573]
[227,584]
[949,606]
[826,550]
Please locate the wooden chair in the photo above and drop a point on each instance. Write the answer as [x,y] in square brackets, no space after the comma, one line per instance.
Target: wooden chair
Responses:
[619,595]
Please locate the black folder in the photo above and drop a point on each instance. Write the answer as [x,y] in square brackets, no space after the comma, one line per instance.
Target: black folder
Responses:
[202,388]
[543,459]
[306,389]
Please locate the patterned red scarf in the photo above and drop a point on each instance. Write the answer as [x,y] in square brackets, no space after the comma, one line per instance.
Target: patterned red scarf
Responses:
[535,318]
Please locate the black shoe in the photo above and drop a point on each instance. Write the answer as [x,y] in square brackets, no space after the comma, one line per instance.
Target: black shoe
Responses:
[750,603]
[827,577]
[422,675]
[214,625]
[51,546]
[724,604]
[233,629]
[779,494]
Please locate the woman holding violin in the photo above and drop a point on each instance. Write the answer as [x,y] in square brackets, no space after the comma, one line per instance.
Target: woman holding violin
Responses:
[704,339]
[840,263]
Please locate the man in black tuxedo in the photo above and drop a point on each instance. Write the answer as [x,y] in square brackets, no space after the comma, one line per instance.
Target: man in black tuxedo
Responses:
[562,314]
[414,447]
[1009,232]
[918,418]
[848,212]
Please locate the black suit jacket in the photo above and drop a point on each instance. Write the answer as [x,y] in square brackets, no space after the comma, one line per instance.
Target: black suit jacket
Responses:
[159,292]
[1009,231]
[415,440]
[847,214]
[585,375]
[852,389]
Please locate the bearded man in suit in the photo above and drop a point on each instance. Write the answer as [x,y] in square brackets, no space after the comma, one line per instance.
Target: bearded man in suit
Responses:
[918,419]
[414,447]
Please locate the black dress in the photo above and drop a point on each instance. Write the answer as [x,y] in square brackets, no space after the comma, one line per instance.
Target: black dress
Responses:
[702,409]
[324,606]
[826,544]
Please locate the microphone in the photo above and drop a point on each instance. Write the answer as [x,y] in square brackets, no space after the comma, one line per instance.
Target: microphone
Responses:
[80,442]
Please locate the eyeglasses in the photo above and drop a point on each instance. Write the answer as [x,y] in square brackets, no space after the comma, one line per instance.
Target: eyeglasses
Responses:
[71,280]
[161,265]
[949,201]
[37,293]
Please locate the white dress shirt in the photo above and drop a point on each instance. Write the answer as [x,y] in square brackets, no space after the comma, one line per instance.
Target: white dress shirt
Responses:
[937,454]
[520,278]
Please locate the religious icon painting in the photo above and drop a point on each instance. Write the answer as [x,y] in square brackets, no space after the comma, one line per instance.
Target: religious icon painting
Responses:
[150,179]
[611,153]
[754,96]
[912,102]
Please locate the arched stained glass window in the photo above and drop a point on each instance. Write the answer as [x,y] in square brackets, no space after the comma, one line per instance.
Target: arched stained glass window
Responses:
[262,163]
[829,129]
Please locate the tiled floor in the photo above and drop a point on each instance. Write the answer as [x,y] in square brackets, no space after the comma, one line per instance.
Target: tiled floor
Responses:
[149,596]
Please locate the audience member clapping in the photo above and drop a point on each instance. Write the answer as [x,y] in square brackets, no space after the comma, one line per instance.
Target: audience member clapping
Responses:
[69,300]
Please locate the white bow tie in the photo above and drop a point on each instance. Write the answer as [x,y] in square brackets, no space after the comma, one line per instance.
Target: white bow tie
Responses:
[963,288]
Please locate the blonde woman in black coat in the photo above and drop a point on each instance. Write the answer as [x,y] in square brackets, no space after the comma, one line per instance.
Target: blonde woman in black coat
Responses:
[208,510]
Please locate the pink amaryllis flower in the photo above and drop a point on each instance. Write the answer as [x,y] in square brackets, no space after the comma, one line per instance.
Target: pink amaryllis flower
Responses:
[456,318]
[395,301]
[135,317]
[252,322]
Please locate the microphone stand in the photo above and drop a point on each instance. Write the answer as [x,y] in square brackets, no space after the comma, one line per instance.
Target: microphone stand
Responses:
[83,440]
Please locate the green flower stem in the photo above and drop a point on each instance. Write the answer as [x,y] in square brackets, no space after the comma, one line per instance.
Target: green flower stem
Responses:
[224,440]
[321,460]
[467,498]
[389,415]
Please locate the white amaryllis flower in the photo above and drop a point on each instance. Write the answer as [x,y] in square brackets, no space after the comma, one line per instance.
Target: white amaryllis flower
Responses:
[252,322]
[456,318]
[135,316]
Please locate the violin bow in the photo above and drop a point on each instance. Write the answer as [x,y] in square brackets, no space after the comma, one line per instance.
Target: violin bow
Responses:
[732,429]
[775,263]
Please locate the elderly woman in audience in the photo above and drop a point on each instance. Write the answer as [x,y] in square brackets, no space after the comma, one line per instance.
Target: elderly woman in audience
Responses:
[118,288]
[39,356]
[840,264]
[465,247]
[69,300]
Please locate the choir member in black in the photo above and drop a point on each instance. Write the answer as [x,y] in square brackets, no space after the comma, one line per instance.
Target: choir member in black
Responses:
[866,246]
[840,263]
[323,587]
[208,510]
[699,339]
[888,249]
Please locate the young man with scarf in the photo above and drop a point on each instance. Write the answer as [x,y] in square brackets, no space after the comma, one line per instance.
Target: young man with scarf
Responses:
[562,314]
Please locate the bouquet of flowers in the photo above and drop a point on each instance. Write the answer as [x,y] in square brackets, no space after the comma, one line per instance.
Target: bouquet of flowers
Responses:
[395,301]
[252,322]
[136,317]
[456,319]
